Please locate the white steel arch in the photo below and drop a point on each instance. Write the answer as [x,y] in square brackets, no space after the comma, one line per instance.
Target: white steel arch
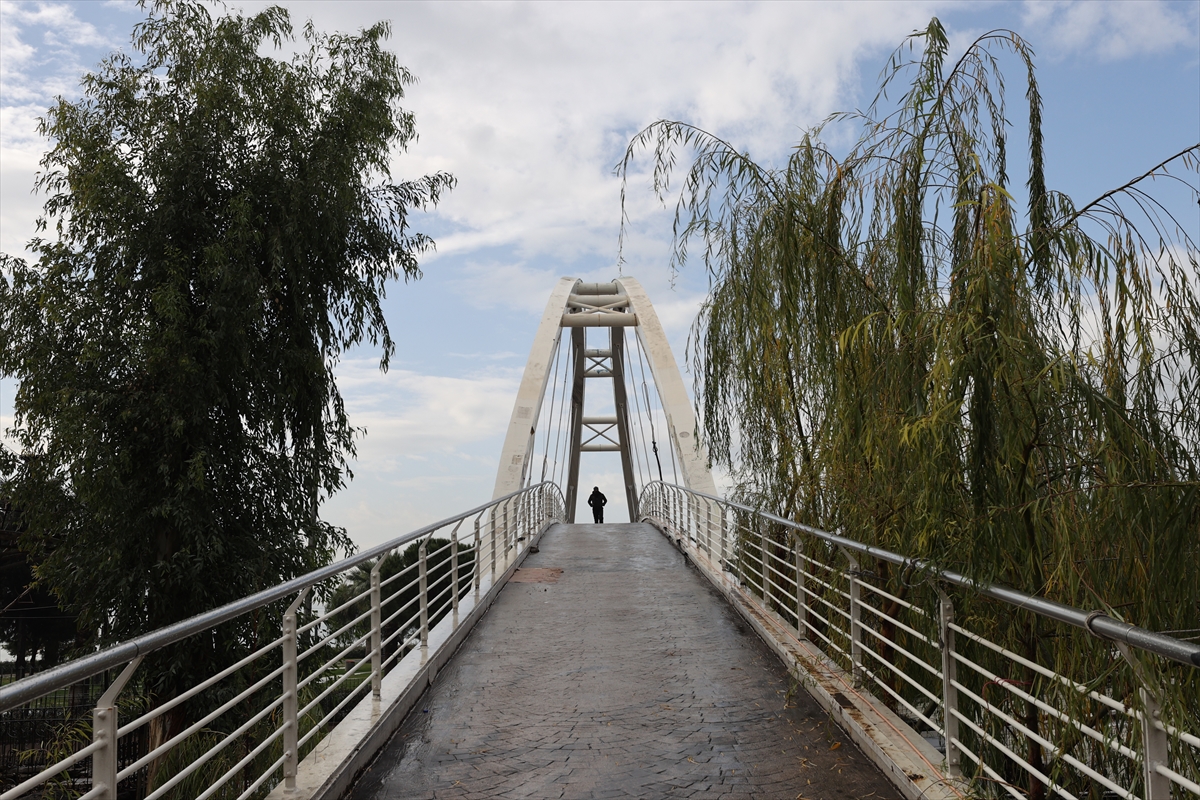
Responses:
[681,418]
[576,305]
[518,442]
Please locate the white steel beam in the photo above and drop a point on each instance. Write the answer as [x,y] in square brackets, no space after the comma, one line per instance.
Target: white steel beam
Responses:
[677,406]
[599,319]
[523,423]
[598,302]
[596,288]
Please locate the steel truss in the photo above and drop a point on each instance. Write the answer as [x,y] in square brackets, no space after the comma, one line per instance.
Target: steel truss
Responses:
[573,306]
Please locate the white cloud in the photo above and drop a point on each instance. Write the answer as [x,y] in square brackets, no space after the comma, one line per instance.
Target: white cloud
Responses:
[489,284]
[408,414]
[430,445]
[1114,29]
[8,391]
[40,48]
[44,49]
[530,106]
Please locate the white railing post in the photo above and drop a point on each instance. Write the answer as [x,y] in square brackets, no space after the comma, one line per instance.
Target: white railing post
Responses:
[685,523]
[801,595]
[762,563]
[689,518]
[454,572]
[526,518]
[855,618]
[949,690]
[504,513]
[104,732]
[739,548]
[723,537]
[518,523]
[377,629]
[708,528]
[291,699]
[1155,748]
[424,592]
[493,516]
[478,566]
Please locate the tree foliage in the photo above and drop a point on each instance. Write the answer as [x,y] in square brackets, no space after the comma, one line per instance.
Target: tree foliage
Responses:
[896,349]
[30,620]
[225,223]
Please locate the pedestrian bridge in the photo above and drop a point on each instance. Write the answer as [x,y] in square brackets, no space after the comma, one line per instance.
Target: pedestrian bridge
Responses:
[703,649]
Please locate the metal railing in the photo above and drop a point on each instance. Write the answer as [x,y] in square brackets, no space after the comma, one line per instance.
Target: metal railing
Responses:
[343,629]
[923,642]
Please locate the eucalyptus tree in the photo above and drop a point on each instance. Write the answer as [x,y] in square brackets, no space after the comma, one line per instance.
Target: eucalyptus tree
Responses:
[898,348]
[222,225]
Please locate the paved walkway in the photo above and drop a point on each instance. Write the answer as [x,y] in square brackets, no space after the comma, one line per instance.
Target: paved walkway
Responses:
[626,677]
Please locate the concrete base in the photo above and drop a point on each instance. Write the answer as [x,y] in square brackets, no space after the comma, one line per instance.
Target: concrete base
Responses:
[913,765]
[330,769]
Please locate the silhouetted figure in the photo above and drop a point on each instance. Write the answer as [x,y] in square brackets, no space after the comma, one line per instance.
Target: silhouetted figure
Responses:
[597,501]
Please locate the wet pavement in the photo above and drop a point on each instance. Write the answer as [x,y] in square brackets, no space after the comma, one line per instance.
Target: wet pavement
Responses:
[623,675]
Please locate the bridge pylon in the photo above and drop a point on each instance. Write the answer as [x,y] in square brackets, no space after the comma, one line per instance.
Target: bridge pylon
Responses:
[575,306]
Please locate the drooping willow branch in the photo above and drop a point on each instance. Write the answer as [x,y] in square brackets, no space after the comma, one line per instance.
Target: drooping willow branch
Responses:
[892,348]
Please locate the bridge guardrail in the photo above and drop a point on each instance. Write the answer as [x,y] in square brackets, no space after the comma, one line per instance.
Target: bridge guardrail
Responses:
[1006,724]
[364,623]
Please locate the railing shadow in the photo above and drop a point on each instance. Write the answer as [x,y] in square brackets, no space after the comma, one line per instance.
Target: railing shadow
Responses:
[977,671]
[311,650]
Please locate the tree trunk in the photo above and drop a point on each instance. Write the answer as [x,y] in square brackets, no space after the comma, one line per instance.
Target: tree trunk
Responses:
[161,729]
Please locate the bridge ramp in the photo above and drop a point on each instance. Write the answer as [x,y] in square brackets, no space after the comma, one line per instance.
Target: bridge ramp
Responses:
[625,675]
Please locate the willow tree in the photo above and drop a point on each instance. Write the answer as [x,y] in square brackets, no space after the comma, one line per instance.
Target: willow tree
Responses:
[896,348]
[226,224]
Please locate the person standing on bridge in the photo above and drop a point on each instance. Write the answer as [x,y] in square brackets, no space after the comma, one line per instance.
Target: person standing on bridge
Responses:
[597,501]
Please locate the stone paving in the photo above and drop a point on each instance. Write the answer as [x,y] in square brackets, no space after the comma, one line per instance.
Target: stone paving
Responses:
[628,676]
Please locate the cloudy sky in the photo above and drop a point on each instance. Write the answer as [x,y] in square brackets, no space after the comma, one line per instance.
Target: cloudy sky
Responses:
[531,105]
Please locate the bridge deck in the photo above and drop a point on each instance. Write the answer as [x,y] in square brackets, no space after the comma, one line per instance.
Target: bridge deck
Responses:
[628,677]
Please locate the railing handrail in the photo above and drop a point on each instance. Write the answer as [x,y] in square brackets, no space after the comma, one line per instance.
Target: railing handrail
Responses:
[34,686]
[1096,623]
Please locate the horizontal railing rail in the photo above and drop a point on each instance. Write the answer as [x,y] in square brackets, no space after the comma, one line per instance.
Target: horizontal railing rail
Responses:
[1012,724]
[277,701]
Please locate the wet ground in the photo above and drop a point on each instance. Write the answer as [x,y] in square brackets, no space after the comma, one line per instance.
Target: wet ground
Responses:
[623,675]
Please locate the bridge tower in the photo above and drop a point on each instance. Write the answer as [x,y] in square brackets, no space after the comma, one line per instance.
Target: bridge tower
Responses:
[573,307]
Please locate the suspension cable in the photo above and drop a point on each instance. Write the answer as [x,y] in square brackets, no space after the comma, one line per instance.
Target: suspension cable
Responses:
[629,445]
[637,404]
[653,438]
[667,427]
[550,416]
[564,424]
[569,370]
